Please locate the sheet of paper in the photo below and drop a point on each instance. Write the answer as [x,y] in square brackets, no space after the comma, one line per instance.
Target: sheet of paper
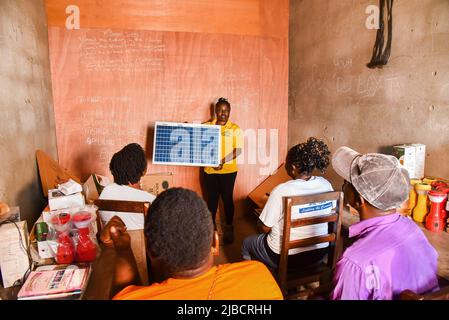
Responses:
[13,257]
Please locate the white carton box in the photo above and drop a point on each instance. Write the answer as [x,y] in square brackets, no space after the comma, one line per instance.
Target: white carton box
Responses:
[57,200]
[406,155]
[420,160]
[413,158]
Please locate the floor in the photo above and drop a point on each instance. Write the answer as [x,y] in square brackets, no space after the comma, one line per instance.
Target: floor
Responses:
[243,226]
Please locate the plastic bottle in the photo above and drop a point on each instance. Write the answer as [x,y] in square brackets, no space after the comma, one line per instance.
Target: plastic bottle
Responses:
[434,220]
[65,253]
[444,205]
[420,211]
[413,196]
[86,249]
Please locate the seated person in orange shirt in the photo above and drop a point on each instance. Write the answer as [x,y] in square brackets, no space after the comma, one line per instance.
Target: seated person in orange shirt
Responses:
[180,234]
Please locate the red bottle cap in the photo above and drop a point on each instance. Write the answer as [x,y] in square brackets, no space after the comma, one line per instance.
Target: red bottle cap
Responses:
[444,189]
[438,184]
[61,218]
[436,193]
[81,216]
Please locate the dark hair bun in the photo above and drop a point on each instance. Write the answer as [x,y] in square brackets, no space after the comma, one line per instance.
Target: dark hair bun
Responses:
[222,101]
[314,154]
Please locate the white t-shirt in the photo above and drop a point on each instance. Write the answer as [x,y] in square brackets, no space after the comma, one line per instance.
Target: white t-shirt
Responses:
[272,215]
[115,191]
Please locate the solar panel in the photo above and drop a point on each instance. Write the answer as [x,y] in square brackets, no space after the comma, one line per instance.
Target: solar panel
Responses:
[187,144]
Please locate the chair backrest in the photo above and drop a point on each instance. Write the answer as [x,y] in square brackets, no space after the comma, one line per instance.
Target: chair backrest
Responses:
[122,206]
[333,220]
[138,243]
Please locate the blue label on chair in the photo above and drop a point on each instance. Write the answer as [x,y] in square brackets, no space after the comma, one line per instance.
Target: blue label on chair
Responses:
[316,207]
[312,209]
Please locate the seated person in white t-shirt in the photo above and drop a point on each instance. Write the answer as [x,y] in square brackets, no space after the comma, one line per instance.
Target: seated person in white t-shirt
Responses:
[301,161]
[127,166]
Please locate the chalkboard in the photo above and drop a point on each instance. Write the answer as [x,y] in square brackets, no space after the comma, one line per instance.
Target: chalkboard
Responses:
[114,78]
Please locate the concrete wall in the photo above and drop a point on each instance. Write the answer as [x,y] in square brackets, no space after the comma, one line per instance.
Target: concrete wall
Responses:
[26,107]
[334,96]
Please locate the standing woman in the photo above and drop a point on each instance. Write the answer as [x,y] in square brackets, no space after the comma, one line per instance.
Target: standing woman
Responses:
[219,181]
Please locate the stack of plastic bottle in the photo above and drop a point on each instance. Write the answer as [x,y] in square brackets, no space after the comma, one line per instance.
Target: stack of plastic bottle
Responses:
[428,203]
[74,236]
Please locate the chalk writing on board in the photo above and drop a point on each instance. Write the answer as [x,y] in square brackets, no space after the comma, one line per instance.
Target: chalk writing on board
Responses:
[102,99]
[124,51]
[233,77]
[181,99]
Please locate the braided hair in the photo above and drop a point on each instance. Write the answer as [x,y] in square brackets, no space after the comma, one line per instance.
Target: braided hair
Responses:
[314,154]
[128,165]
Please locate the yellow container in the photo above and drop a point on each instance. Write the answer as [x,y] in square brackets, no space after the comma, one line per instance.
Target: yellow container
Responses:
[429,180]
[413,196]
[421,210]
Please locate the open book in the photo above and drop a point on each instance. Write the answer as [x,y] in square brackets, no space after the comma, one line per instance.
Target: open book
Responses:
[52,282]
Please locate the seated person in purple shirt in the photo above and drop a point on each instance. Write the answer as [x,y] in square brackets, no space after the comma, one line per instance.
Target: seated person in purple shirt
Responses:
[390,253]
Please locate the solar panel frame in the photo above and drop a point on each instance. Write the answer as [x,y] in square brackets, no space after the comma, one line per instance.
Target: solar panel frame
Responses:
[192,126]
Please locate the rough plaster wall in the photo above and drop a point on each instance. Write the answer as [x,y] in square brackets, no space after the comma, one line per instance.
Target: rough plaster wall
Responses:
[334,96]
[26,107]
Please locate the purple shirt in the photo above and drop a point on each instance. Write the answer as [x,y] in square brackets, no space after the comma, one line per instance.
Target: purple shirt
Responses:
[391,254]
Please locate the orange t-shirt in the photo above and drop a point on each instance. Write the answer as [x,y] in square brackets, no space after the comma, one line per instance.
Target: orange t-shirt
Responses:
[249,280]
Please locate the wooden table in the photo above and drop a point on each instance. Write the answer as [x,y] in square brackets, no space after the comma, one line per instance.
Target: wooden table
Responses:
[100,280]
[440,241]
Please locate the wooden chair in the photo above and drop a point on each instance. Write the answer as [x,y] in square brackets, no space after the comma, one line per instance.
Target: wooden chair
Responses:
[442,294]
[290,280]
[138,243]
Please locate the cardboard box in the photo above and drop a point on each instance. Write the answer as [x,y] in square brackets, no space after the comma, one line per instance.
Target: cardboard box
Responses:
[94,185]
[157,183]
[57,200]
[412,157]
[420,160]
[259,196]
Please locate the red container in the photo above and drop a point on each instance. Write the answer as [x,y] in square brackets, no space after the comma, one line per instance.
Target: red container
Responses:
[435,220]
[446,191]
[86,249]
[65,253]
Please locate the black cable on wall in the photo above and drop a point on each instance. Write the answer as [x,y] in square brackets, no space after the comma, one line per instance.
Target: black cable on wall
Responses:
[381,52]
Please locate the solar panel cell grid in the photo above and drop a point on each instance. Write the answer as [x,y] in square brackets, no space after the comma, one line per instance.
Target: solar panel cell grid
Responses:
[187,144]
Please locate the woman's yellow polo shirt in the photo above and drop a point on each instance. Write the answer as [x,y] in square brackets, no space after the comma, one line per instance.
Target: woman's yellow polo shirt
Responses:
[231,138]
